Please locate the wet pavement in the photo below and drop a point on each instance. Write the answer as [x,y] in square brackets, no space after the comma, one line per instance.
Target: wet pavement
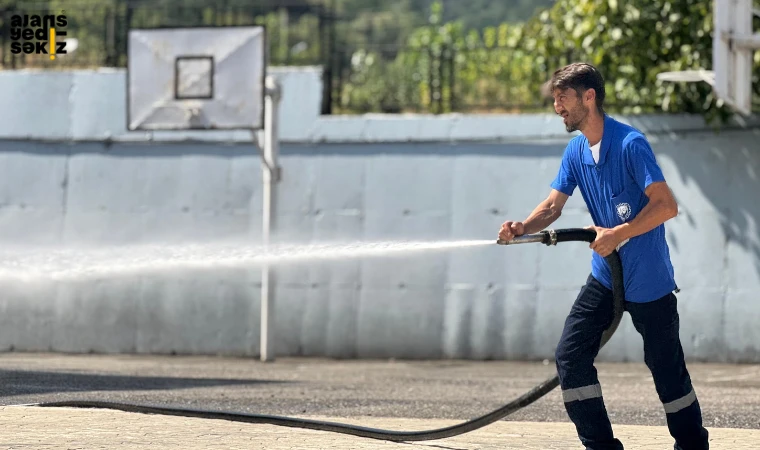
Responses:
[399,394]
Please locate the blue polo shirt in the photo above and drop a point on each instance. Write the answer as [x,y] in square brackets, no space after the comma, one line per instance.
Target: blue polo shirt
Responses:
[614,193]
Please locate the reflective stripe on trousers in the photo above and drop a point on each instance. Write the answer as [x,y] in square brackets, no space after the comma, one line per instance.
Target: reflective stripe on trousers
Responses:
[583,393]
[681,403]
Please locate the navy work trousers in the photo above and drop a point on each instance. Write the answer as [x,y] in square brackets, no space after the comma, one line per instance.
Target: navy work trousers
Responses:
[658,324]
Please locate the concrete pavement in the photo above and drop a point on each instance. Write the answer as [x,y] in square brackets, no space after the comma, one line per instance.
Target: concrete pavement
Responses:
[47,428]
[398,395]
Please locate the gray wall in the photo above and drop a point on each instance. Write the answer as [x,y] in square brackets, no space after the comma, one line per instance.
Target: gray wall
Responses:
[78,178]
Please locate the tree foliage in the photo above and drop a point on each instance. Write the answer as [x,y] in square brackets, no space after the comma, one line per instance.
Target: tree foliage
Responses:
[436,55]
[504,66]
[472,14]
[100,26]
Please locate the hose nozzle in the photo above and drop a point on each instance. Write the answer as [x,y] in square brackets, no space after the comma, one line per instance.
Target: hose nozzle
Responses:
[548,237]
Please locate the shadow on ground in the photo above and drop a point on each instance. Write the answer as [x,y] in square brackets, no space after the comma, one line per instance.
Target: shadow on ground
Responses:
[23,382]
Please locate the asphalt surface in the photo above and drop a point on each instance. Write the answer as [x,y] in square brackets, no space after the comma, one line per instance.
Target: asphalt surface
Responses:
[729,394]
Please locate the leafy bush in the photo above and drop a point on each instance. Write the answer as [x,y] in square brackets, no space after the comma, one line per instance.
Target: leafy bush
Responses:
[443,68]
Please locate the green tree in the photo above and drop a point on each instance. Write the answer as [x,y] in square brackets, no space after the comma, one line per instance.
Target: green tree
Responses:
[100,26]
[631,42]
[479,14]
[503,67]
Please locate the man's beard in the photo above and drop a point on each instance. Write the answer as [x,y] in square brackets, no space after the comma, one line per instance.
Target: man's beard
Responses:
[575,125]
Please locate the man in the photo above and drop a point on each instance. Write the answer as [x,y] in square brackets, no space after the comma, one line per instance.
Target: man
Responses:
[616,172]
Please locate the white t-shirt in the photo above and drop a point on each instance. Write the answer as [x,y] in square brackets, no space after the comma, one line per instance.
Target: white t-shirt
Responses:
[595,151]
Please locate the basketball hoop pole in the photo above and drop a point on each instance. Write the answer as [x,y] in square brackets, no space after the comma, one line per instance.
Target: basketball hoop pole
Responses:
[212,78]
[271,176]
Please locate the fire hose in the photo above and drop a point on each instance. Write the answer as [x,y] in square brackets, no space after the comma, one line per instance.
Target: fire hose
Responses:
[547,237]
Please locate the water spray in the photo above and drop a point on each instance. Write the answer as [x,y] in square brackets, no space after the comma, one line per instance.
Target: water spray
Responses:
[548,237]
[63,265]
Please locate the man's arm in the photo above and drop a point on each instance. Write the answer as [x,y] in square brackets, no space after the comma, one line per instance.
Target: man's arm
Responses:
[542,216]
[662,207]
[646,173]
[548,210]
[546,213]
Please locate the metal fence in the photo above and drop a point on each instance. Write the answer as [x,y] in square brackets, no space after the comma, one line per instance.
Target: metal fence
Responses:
[440,79]
[297,30]
[431,79]
[358,76]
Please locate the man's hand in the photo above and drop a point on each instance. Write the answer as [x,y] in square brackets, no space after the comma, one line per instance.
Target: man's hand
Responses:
[607,240]
[511,229]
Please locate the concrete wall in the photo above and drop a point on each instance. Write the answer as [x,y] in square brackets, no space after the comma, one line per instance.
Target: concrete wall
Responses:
[71,174]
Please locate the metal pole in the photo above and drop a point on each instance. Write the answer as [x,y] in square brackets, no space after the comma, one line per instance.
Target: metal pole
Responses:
[270,176]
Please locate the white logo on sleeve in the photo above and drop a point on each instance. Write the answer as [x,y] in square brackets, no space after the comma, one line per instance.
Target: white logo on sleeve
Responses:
[623,211]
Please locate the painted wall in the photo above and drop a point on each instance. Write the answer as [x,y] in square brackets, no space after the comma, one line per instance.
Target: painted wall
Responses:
[70,174]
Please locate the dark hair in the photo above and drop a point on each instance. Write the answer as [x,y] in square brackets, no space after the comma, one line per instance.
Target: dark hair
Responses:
[579,77]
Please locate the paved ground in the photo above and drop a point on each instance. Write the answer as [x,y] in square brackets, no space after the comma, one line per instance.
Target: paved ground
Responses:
[398,395]
[25,428]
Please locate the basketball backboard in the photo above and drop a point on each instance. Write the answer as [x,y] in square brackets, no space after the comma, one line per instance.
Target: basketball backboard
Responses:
[196,78]
[211,78]
[734,46]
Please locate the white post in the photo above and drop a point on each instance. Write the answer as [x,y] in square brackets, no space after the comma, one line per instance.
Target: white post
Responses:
[744,55]
[271,176]
[733,46]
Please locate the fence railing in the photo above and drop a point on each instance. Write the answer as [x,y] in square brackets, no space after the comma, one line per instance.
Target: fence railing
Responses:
[435,79]
[297,32]
[358,78]
[442,79]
